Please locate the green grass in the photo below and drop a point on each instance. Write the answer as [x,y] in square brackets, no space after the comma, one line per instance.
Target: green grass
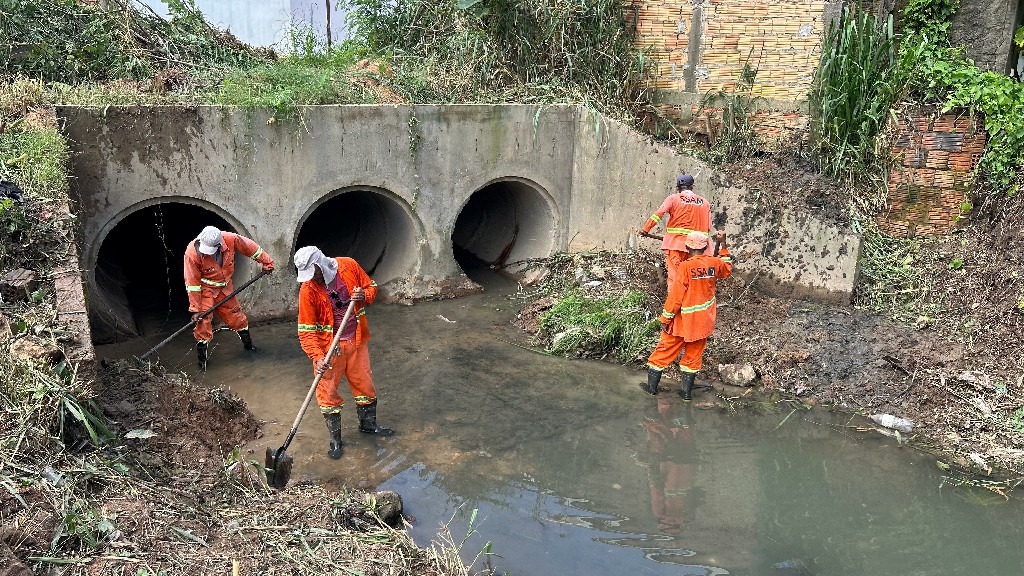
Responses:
[619,326]
[35,158]
[284,85]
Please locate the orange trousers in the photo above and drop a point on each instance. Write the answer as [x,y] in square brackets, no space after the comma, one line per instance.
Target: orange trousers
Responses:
[673,258]
[351,362]
[229,312]
[670,347]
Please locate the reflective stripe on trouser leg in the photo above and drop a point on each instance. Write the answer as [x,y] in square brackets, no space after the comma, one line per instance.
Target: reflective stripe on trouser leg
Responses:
[665,353]
[357,371]
[693,355]
[327,389]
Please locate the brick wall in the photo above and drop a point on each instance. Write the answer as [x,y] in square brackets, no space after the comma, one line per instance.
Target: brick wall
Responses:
[701,48]
[780,38]
[774,127]
[935,155]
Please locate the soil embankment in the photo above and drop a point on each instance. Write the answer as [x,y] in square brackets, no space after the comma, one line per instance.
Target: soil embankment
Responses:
[177,494]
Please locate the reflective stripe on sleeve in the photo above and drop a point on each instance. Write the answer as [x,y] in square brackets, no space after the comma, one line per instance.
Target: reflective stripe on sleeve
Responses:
[667,314]
[191,288]
[256,255]
[655,217]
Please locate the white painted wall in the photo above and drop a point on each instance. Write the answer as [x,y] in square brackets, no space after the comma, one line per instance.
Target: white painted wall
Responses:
[266,23]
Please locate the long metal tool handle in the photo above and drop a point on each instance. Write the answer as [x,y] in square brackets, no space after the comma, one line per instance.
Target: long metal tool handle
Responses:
[319,375]
[204,314]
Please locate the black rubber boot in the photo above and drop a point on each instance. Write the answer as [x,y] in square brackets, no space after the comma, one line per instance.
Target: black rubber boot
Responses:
[334,428]
[368,420]
[201,355]
[653,378]
[247,341]
[688,378]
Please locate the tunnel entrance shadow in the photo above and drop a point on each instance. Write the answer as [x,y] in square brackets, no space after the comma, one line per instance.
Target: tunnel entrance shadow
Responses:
[366,225]
[502,225]
[138,271]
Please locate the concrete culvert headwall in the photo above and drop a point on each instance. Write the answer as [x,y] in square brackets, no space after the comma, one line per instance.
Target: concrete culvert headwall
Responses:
[137,281]
[503,224]
[404,190]
[368,226]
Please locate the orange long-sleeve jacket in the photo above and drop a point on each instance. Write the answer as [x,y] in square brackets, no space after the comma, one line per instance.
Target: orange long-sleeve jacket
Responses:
[690,307]
[687,212]
[204,278]
[316,316]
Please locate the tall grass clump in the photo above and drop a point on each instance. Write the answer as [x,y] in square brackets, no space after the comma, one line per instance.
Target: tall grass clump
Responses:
[857,81]
[508,50]
[580,325]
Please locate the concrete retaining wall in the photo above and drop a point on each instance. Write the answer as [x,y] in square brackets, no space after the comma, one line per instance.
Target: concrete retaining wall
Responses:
[574,180]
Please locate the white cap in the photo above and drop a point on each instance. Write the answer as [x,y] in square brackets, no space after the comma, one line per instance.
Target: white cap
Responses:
[209,240]
[309,256]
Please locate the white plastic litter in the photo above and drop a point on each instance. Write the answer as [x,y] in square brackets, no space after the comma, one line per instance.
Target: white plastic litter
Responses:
[894,422]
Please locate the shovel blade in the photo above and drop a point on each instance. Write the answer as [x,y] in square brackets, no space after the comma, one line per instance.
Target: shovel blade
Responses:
[278,467]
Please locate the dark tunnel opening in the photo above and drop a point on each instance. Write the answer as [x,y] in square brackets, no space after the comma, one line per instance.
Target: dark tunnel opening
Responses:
[500,226]
[367,226]
[139,270]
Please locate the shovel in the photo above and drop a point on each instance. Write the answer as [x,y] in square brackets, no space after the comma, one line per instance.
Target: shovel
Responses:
[279,464]
[203,315]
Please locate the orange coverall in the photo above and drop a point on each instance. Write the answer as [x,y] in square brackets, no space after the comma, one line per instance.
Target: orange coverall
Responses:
[206,282]
[316,330]
[687,212]
[689,312]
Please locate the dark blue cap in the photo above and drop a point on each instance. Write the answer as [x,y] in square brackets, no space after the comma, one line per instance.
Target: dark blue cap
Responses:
[684,181]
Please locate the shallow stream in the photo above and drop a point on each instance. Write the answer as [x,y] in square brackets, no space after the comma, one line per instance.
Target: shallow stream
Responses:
[568,468]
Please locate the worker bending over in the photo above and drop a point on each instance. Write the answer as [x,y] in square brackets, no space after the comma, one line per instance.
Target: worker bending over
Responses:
[682,212]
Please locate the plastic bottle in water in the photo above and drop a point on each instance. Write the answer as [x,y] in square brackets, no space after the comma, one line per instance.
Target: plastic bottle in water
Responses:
[894,422]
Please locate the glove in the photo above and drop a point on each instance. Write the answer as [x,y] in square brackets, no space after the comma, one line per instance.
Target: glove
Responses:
[268,268]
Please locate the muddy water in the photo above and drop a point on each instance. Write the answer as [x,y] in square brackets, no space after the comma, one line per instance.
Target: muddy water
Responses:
[569,469]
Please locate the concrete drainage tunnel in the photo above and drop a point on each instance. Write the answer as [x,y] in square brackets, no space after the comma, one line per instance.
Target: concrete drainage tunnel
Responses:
[502,225]
[366,225]
[137,269]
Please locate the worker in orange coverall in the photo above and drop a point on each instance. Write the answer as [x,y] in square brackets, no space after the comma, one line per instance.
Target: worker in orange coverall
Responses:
[686,212]
[688,317]
[328,285]
[209,264]
[671,466]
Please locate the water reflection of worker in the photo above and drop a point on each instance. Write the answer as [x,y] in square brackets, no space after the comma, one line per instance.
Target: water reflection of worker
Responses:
[673,462]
